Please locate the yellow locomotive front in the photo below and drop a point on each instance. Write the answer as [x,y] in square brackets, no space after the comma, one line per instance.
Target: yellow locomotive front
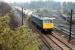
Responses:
[48,23]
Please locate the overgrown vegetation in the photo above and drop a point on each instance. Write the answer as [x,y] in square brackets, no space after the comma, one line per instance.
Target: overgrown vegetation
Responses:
[21,38]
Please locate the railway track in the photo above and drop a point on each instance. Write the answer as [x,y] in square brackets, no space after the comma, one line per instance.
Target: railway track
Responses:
[65,31]
[63,40]
[59,43]
[48,47]
[55,42]
[46,43]
[51,41]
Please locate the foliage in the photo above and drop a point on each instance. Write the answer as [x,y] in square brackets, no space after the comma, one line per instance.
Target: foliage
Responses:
[19,39]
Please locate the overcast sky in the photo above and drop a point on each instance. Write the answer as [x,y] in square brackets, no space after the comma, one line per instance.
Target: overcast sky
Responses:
[11,1]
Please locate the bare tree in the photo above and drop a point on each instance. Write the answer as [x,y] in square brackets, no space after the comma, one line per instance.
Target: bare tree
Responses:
[4,8]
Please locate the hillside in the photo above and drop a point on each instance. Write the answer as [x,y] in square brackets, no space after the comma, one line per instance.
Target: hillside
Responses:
[18,38]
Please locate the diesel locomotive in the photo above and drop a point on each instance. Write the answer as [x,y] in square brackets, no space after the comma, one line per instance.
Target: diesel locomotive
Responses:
[43,23]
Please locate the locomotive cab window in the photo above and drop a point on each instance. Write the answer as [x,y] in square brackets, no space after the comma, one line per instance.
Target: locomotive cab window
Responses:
[48,21]
[51,21]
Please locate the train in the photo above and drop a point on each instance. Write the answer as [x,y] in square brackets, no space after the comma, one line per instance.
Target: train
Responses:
[43,23]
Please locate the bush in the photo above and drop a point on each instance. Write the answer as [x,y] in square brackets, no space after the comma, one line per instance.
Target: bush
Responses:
[19,39]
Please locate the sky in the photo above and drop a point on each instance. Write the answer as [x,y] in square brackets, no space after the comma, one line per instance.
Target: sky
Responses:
[65,0]
[28,1]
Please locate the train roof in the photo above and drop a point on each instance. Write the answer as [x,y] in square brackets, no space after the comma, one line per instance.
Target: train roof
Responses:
[43,18]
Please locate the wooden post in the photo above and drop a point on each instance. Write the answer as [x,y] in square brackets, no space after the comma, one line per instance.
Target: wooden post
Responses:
[70,26]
